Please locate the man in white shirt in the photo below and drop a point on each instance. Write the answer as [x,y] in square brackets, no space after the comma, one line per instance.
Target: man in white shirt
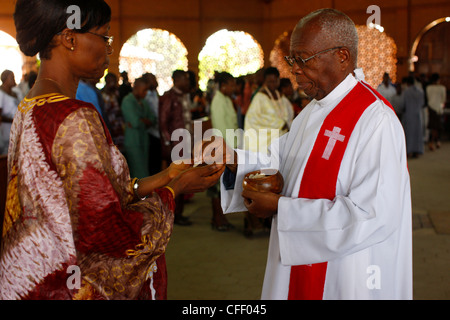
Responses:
[386,88]
[341,226]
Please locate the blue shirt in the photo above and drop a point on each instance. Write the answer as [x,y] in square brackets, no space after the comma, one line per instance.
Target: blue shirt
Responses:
[87,94]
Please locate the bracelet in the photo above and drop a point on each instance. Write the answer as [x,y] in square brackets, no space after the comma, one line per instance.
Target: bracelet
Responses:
[135,183]
[171,191]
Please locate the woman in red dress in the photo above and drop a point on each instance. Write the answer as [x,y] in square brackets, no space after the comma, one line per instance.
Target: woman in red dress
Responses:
[77,226]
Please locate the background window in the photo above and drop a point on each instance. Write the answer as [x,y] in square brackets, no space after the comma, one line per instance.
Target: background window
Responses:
[235,52]
[11,56]
[156,51]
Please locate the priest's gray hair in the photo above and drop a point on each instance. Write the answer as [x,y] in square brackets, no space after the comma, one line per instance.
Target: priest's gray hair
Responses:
[336,27]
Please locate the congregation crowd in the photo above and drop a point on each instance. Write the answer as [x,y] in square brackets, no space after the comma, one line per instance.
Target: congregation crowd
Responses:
[419,103]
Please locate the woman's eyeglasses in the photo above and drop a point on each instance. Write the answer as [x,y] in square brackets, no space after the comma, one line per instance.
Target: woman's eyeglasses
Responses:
[108,39]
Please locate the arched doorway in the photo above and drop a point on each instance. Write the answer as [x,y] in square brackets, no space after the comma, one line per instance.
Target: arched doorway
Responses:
[12,58]
[235,52]
[156,51]
[430,52]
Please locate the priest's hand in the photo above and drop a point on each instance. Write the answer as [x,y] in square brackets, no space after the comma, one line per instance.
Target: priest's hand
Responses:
[261,204]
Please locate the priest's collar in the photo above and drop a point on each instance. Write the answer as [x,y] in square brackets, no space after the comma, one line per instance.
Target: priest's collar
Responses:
[359,74]
[342,88]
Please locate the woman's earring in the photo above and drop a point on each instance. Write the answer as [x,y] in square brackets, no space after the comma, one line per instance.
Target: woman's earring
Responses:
[72,48]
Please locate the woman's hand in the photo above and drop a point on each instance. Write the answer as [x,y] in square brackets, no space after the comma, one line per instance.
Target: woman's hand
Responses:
[177,167]
[261,204]
[148,184]
[196,179]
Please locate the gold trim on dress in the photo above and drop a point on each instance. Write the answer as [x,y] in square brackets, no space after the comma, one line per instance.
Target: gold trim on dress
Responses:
[27,104]
[144,247]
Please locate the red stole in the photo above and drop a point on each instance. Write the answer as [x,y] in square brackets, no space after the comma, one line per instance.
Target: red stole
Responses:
[320,178]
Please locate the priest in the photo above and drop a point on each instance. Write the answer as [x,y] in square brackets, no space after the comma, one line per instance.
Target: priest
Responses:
[341,227]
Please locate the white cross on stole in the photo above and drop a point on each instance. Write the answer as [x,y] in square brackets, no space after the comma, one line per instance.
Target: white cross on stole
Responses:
[334,136]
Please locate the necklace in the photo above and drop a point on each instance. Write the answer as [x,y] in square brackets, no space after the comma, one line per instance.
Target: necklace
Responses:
[49,79]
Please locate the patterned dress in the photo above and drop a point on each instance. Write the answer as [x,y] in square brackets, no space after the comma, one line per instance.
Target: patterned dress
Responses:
[73,228]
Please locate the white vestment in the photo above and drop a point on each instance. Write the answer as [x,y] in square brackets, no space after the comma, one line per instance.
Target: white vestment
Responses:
[365,233]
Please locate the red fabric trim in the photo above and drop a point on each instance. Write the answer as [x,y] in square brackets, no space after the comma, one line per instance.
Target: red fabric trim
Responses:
[307,282]
[159,283]
[160,278]
[166,197]
[320,175]
[320,178]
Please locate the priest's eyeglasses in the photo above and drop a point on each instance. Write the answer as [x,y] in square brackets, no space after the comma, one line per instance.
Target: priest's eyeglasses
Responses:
[302,62]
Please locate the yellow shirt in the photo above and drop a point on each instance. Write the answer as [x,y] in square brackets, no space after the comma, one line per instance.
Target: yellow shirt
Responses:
[223,116]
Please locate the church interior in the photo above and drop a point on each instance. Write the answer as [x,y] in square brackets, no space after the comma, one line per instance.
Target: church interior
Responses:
[398,37]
